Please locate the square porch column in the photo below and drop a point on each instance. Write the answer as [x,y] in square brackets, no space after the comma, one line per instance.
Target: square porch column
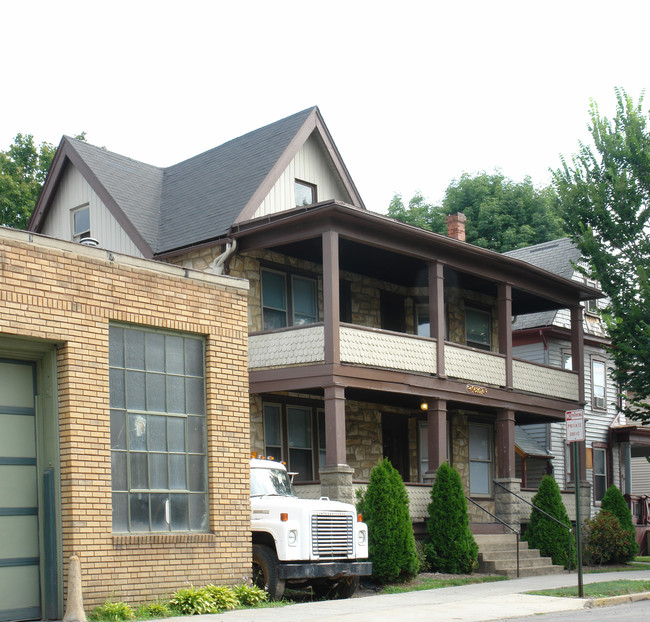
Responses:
[507,506]
[437,314]
[436,437]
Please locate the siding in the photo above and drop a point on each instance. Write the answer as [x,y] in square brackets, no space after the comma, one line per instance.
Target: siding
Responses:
[640,476]
[75,191]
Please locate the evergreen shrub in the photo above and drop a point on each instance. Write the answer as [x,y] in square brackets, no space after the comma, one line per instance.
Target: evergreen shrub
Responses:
[614,502]
[385,509]
[544,534]
[606,542]
[450,545]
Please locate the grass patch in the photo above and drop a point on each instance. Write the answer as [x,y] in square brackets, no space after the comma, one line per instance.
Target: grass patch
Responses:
[626,568]
[599,590]
[642,558]
[428,583]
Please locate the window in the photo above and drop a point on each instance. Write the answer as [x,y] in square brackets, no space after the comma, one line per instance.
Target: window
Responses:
[592,306]
[158,432]
[305,193]
[598,384]
[288,300]
[477,328]
[422,320]
[80,223]
[295,434]
[480,459]
[600,473]
[567,361]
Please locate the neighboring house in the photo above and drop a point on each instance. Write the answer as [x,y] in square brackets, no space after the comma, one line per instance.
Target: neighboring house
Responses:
[615,448]
[368,338]
[123,426]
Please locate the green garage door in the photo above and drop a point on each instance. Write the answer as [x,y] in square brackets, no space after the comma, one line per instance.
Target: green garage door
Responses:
[19,556]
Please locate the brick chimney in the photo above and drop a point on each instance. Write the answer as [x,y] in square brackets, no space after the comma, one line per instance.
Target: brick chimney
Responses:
[456,226]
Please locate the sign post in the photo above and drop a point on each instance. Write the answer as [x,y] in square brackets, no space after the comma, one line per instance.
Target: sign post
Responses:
[575,433]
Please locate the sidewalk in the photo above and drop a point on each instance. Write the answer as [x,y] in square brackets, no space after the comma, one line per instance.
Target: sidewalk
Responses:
[468,603]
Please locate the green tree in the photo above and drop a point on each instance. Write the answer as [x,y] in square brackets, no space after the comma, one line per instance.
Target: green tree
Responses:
[385,509]
[545,534]
[605,195]
[614,502]
[501,214]
[450,546]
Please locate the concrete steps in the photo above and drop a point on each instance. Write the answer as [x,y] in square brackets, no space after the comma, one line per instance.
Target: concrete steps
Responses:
[497,554]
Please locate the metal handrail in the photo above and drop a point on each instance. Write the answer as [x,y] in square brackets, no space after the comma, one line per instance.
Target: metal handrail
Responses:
[532,505]
[515,531]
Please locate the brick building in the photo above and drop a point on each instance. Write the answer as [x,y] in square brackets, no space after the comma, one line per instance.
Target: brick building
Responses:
[118,374]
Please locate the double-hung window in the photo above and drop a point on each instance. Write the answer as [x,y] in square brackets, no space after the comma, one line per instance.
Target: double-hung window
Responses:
[295,434]
[478,332]
[422,321]
[158,431]
[600,472]
[480,459]
[288,299]
[598,384]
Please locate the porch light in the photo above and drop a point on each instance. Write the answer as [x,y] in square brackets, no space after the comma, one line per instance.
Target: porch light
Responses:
[424,405]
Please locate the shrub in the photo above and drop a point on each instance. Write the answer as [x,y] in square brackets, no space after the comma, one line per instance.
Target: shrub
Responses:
[250,595]
[450,546]
[223,597]
[606,542]
[544,534]
[112,611]
[385,508]
[191,601]
[154,610]
[423,562]
[614,502]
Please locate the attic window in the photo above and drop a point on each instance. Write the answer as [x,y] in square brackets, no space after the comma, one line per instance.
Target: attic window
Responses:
[305,193]
[80,223]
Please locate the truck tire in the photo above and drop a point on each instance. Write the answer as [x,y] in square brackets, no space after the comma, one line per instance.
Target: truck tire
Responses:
[265,572]
[336,589]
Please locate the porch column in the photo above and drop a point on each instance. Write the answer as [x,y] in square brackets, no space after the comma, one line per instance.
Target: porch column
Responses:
[627,468]
[505,443]
[331,309]
[436,437]
[437,315]
[578,364]
[336,475]
[505,328]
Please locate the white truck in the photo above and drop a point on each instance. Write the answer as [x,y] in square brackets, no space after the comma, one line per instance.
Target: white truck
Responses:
[300,542]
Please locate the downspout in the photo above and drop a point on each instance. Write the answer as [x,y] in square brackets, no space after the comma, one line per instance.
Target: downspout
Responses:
[217,265]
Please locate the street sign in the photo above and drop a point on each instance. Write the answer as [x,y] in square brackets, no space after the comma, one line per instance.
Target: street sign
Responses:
[575,425]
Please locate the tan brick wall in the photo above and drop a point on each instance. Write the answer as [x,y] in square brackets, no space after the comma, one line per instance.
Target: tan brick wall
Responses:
[58,291]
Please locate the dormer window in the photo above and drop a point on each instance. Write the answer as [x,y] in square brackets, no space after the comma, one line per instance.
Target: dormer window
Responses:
[80,223]
[305,193]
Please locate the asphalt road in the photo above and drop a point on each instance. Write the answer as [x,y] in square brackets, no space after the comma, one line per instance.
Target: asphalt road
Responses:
[629,612]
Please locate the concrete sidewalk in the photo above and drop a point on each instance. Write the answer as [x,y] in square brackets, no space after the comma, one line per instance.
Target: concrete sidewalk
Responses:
[468,603]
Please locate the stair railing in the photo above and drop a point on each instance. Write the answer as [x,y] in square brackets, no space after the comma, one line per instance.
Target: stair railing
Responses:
[532,505]
[515,531]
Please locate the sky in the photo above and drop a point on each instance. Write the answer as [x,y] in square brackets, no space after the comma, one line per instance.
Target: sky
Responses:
[415,93]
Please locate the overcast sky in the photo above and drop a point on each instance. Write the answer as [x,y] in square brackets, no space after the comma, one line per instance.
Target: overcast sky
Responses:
[414,92]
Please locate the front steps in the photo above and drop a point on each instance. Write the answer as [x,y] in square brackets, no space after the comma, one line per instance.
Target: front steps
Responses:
[497,554]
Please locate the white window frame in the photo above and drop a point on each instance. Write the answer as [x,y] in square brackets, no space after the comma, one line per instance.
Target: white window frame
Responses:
[598,391]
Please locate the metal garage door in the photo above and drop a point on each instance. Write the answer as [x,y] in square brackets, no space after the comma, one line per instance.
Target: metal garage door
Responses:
[19,550]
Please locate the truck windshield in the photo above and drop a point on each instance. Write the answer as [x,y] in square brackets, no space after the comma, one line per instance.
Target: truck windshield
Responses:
[270,482]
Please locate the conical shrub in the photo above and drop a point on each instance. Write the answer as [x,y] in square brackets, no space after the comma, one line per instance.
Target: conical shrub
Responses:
[614,502]
[450,546]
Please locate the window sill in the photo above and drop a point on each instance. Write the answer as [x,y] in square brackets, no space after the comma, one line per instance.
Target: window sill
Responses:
[134,539]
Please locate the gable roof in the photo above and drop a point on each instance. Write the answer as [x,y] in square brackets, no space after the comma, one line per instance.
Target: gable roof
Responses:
[556,256]
[197,200]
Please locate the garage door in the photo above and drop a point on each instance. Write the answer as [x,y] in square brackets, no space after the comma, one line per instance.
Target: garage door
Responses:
[19,550]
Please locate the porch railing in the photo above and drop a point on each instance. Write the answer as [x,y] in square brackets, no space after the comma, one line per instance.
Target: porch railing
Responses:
[639,506]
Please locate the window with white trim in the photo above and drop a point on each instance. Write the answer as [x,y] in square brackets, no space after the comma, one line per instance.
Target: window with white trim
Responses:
[598,384]
[480,459]
[288,299]
[158,431]
[600,472]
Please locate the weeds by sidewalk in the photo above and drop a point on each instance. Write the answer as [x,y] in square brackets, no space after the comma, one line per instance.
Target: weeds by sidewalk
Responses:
[599,590]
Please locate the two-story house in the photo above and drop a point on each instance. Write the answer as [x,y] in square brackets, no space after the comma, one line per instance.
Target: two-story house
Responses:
[616,448]
[368,338]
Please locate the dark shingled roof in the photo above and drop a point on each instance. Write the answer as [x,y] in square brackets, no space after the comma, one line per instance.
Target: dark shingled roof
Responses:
[557,256]
[196,200]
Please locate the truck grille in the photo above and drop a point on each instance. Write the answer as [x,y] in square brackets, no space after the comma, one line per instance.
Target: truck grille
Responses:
[332,535]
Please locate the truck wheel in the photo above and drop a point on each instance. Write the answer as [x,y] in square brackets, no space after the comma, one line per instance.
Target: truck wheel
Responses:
[336,588]
[265,572]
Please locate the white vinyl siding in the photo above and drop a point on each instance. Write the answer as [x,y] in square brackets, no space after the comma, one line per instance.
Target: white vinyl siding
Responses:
[73,192]
[311,164]
[640,476]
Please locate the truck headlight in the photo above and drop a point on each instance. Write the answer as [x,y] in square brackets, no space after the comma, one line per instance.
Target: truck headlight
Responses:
[292,537]
[361,538]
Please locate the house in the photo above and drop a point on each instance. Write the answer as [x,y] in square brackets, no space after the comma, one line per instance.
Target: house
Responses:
[123,425]
[616,448]
[367,337]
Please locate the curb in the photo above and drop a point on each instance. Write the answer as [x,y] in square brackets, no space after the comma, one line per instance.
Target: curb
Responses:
[618,600]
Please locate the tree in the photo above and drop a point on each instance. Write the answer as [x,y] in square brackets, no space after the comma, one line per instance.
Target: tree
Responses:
[605,197]
[385,509]
[23,169]
[545,534]
[501,214]
[450,546]
[614,502]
